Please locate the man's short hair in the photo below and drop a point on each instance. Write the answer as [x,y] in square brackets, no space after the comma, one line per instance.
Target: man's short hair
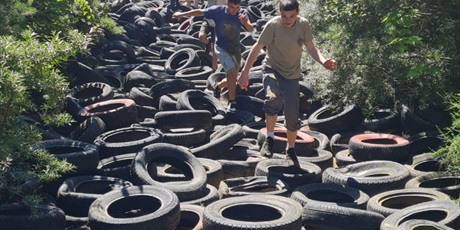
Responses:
[236,2]
[288,5]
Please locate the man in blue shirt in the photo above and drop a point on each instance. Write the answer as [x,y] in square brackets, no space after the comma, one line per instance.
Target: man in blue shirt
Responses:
[227,21]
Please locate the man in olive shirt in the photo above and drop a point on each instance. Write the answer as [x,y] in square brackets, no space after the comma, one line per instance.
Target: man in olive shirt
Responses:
[284,37]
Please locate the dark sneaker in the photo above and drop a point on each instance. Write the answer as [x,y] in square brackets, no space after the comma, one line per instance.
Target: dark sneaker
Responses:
[291,157]
[231,106]
[267,146]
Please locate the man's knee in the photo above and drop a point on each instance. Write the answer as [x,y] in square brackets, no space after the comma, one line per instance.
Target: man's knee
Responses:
[232,73]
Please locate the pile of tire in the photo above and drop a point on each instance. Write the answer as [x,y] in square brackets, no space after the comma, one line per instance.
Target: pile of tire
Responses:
[154,149]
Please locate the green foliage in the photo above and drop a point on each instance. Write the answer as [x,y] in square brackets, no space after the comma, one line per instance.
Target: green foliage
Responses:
[450,153]
[13,16]
[36,36]
[387,52]
[47,17]
[28,68]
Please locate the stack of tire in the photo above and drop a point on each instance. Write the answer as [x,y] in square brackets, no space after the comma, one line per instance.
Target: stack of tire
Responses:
[154,149]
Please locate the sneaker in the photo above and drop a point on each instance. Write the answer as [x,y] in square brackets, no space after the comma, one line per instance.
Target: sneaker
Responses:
[267,146]
[291,157]
[231,106]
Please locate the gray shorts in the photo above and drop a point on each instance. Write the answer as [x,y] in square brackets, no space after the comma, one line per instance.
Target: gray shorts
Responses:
[280,92]
[228,60]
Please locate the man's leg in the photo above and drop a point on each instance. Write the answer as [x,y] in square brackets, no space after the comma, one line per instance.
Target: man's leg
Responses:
[290,89]
[231,83]
[272,105]
[214,57]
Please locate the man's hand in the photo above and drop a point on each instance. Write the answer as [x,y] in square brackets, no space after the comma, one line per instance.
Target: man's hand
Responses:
[203,37]
[176,15]
[329,64]
[243,19]
[243,80]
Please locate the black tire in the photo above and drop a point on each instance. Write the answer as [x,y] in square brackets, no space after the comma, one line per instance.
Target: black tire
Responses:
[126,140]
[38,217]
[389,202]
[91,92]
[239,162]
[371,177]
[445,212]
[194,99]
[330,194]
[197,119]
[294,177]
[137,207]
[141,97]
[156,16]
[383,120]
[116,166]
[176,61]
[122,46]
[321,140]
[413,123]
[344,158]
[76,194]
[83,155]
[167,103]
[82,73]
[252,185]
[214,173]
[138,78]
[253,212]
[251,104]
[170,86]
[322,158]
[423,164]
[145,111]
[88,130]
[194,73]
[446,182]
[187,138]
[323,121]
[208,196]
[220,142]
[379,146]
[191,217]
[333,217]
[422,224]
[115,113]
[177,156]
[340,141]
[425,142]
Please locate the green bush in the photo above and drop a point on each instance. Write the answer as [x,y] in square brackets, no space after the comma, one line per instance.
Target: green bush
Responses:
[27,67]
[388,52]
[46,17]
[450,153]
[36,37]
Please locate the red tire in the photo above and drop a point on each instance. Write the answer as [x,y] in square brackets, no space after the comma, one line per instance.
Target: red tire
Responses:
[379,146]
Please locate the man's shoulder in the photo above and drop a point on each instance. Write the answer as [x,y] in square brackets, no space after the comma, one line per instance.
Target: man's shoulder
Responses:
[216,8]
[302,20]
[273,21]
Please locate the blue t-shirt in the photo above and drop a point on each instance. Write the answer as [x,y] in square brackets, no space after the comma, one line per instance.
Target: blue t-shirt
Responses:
[226,26]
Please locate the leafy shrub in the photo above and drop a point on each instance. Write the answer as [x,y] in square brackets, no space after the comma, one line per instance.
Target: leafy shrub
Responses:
[29,67]
[450,153]
[388,52]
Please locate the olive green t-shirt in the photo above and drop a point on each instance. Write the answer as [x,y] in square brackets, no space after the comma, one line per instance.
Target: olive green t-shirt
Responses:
[284,45]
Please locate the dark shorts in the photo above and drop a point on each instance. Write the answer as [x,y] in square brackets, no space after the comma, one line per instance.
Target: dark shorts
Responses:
[281,92]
